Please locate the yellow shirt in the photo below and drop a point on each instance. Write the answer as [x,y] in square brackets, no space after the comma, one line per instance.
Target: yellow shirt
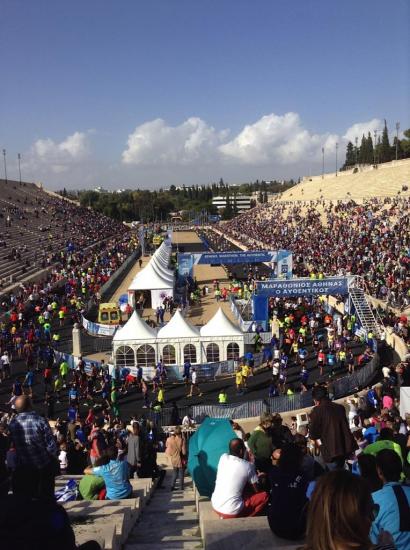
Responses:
[238,378]
[246,371]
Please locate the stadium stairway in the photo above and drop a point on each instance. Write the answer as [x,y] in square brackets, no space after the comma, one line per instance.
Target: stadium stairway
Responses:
[109,522]
[169,521]
[364,312]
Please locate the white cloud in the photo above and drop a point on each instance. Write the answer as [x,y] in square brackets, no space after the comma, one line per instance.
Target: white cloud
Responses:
[275,138]
[360,128]
[272,138]
[154,143]
[57,157]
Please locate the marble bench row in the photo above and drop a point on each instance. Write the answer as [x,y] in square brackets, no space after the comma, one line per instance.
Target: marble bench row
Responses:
[243,533]
[109,522]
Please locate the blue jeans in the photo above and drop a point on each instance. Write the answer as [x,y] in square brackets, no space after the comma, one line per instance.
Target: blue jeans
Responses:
[177,472]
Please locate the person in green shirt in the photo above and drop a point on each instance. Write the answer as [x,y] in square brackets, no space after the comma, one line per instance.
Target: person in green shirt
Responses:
[385,441]
[223,397]
[64,368]
[260,443]
[114,402]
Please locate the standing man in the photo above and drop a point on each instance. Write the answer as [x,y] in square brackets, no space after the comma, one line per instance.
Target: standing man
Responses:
[194,384]
[36,452]
[187,372]
[329,429]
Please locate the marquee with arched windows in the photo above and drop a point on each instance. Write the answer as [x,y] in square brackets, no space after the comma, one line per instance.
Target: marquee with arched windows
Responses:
[139,345]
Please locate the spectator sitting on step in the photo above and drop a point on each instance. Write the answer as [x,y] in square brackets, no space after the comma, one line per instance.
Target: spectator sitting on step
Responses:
[340,515]
[236,492]
[115,475]
[288,501]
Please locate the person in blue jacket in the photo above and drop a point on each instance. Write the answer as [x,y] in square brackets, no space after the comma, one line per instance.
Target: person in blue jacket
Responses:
[392,501]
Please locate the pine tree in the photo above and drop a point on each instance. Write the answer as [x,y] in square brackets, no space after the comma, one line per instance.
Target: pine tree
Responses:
[362,150]
[350,155]
[385,151]
[369,149]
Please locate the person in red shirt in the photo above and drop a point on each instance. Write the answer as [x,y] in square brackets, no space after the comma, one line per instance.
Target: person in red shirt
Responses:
[321,360]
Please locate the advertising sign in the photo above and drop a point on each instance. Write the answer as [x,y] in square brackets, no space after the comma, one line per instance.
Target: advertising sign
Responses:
[303,287]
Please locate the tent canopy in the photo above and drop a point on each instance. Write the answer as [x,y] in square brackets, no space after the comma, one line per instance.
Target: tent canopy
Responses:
[135,329]
[178,327]
[149,279]
[220,325]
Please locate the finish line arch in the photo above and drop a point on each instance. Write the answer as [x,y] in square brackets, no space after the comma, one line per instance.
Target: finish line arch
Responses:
[281,260]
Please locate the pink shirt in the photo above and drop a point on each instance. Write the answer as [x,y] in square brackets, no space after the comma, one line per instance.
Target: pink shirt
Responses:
[387,402]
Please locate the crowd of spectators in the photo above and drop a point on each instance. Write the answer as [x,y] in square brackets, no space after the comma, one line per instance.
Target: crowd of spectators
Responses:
[371,239]
[56,229]
[312,478]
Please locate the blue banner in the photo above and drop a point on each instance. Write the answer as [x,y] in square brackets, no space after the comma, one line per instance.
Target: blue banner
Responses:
[185,264]
[303,287]
[236,257]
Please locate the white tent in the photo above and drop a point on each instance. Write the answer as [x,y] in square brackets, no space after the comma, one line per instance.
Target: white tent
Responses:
[135,345]
[138,344]
[221,339]
[135,329]
[181,336]
[155,277]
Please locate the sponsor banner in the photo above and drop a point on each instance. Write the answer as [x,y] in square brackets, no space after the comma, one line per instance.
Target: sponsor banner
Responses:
[303,287]
[185,265]
[96,329]
[236,257]
[281,261]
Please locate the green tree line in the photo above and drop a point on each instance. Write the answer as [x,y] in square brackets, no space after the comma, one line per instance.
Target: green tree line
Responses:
[147,206]
[367,152]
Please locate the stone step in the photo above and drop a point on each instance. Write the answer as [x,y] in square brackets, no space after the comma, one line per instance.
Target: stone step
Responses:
[105,535]
[181,545]
[162,541]
[155,508]
[151,518]
[101,504]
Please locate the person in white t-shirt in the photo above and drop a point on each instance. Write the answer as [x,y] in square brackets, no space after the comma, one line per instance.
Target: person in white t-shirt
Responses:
[236,489]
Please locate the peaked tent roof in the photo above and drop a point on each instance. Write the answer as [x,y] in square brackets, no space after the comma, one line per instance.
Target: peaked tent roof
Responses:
[163,271]
[135,329]
[178,327]
[220,325]
[149,279]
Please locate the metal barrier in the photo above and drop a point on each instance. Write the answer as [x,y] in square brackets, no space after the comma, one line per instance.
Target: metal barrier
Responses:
[284,403]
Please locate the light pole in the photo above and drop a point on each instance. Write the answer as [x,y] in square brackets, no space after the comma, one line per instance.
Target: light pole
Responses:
[397,137]
[19,160]
[323,162]
[356,139]
[337,146]
[5,165]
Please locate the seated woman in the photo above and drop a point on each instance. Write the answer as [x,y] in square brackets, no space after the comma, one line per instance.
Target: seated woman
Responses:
[115,475]
[340,515]
[288,502]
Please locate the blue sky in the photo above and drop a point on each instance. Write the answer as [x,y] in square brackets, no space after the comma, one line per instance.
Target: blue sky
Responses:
[147,93]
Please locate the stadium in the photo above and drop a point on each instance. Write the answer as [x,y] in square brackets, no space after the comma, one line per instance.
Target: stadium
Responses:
[205,276]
